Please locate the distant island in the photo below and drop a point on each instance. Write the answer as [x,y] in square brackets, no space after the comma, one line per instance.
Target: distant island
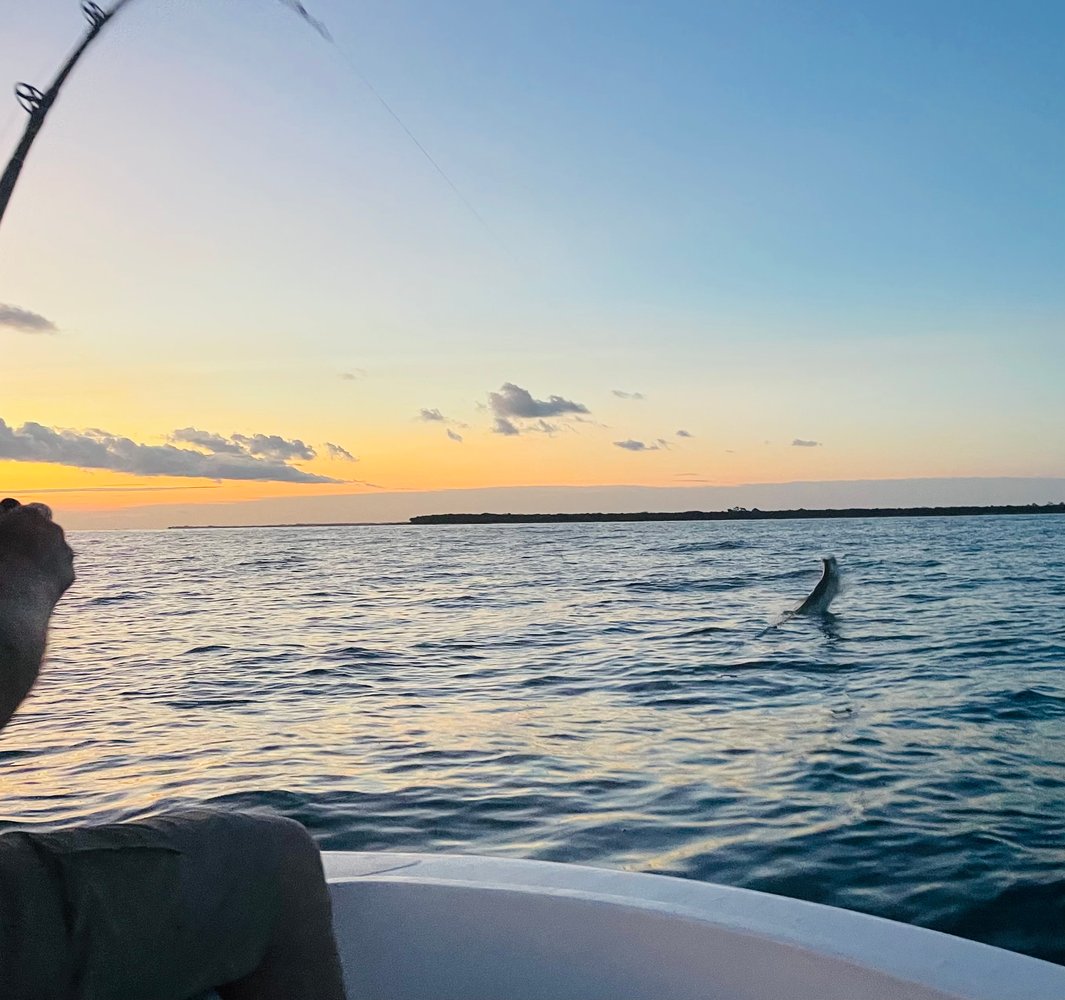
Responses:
[738,514]
[732,514]
[289,524]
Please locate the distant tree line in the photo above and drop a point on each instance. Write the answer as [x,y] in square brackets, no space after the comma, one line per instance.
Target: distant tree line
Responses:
[739,514]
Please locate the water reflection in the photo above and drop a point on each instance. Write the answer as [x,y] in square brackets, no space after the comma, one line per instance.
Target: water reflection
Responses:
[597,693]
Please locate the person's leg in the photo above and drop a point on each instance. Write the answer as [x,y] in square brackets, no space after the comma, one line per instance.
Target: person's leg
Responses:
[170,907]
[34,960]
[301,958]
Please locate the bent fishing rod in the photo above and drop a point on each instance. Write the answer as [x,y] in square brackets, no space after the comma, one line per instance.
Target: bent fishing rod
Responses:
[37,104]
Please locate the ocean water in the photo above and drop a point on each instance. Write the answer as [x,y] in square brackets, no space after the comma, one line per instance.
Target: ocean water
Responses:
[602,694]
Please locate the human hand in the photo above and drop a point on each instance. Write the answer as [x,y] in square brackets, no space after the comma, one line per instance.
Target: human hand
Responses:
[34,554]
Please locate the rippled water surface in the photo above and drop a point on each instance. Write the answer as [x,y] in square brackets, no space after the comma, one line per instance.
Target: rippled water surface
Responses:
[595,693]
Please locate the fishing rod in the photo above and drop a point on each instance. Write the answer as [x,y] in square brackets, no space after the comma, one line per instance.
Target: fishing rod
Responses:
[37,104]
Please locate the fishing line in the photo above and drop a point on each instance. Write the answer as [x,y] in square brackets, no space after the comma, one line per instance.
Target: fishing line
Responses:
[353,67]
[98,17]
[350,63]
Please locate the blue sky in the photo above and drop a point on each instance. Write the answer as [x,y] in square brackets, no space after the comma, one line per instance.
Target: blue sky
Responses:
[830,221]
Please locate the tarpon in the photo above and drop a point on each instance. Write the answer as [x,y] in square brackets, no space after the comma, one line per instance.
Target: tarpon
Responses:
[827,588]
[817,603]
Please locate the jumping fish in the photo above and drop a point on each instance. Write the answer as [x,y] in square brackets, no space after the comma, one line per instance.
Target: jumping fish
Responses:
[827,588]
[818,601]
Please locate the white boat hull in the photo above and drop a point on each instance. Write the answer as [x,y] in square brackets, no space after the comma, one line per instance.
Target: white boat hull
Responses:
[439,927]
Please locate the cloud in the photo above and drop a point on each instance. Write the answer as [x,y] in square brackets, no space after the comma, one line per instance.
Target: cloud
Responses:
[684,434]
[434,416]
[800,443]
[354,375]
[621,394]
[514,402]
[454,437]
[269,446]
[274,447]
[25,321]
[97,449]
[335,451]
[631,445]
[543,427]
[214,443]
[504,427]
[117,489]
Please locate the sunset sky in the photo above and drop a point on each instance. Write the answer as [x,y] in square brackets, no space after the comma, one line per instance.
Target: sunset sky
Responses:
[692,244]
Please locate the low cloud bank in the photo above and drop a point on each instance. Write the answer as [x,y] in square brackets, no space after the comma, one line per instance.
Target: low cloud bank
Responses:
[260,457]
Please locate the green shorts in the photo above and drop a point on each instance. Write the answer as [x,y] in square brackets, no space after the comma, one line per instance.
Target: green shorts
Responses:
[167,908]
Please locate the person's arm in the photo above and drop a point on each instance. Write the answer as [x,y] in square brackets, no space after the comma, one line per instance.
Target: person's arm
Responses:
[36,567]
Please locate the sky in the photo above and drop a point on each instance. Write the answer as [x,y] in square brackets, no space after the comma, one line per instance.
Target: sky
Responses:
[478,252]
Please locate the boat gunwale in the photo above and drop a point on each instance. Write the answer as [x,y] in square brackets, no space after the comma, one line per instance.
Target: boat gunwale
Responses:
[953,966]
